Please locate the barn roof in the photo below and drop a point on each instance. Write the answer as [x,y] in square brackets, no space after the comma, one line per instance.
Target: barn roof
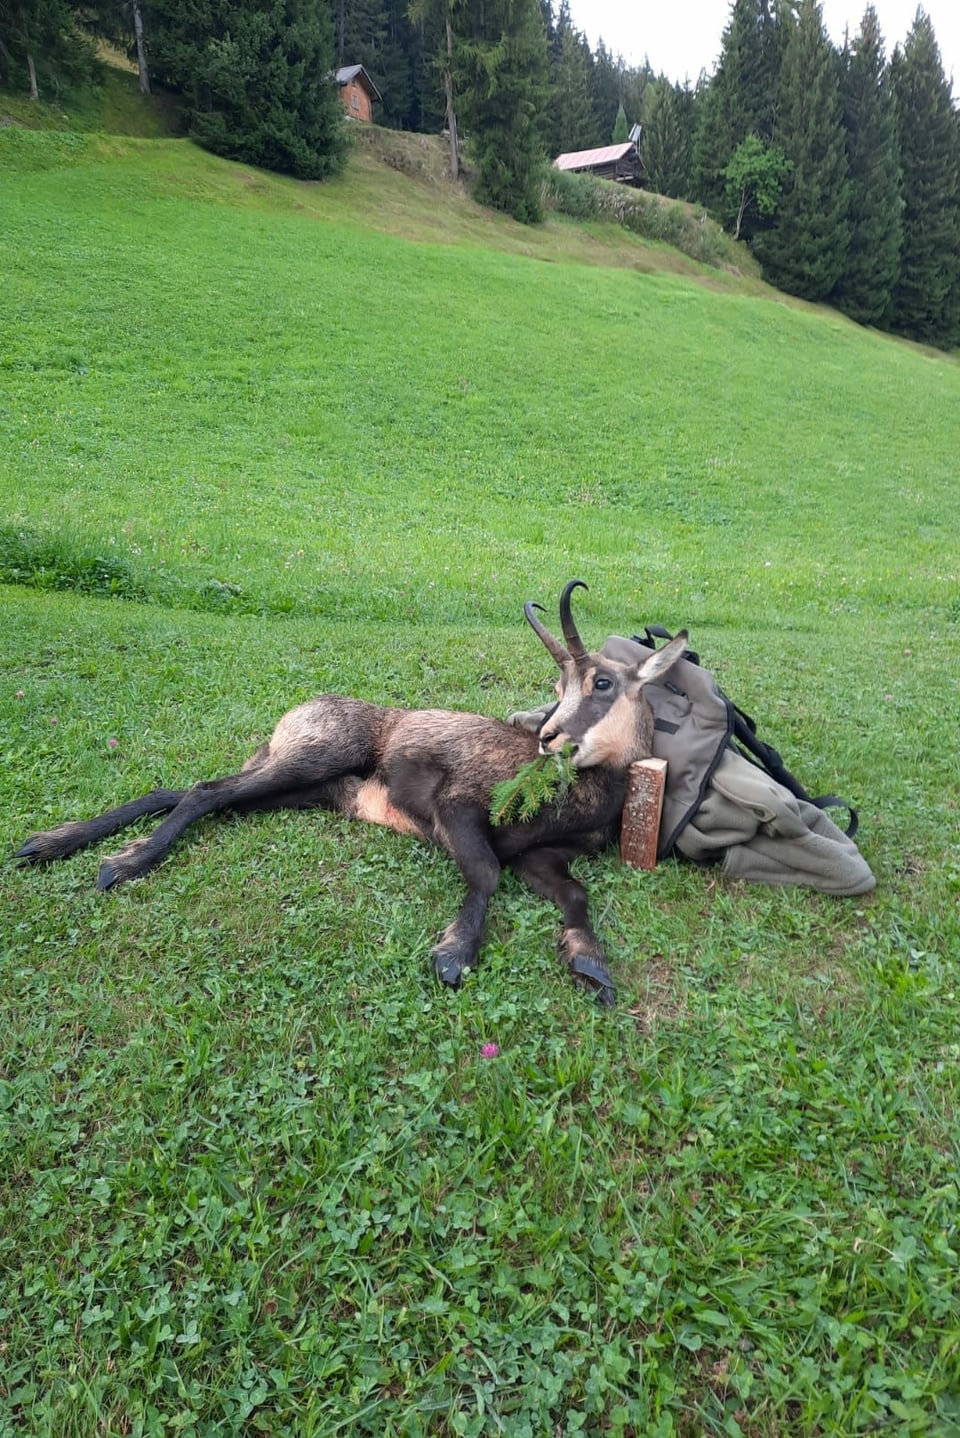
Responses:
[346,73]
[583,159]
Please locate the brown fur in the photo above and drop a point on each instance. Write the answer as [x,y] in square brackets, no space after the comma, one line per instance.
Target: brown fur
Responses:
[430,773]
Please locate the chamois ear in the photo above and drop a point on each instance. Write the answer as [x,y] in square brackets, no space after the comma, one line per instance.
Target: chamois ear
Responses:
[663,660]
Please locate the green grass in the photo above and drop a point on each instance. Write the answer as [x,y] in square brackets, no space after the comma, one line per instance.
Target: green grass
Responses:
[260,439]
[113,105]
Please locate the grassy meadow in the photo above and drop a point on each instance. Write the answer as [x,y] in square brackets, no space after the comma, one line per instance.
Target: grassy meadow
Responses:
[260,440]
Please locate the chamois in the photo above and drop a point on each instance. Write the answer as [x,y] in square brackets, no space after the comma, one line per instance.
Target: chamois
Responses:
[430,773]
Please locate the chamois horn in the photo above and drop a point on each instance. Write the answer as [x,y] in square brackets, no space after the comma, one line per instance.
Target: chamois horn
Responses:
[554,645]
[574,642]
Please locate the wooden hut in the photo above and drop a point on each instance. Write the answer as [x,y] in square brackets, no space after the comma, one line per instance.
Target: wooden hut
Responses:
[357,91]
[621,163]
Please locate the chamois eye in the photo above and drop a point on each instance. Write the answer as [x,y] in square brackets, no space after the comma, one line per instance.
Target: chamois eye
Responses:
[600,685]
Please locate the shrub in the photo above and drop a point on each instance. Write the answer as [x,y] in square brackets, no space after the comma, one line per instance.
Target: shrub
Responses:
[583,197]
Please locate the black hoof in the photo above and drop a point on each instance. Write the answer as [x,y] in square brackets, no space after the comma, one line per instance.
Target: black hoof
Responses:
[108,875]
[450,968]
[591,976]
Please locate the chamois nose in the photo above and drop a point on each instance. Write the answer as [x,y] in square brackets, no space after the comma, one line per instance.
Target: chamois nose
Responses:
[548,737]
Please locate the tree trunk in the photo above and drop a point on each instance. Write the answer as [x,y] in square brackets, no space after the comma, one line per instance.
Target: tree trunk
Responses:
[31,67]
[141,49]
[451,112]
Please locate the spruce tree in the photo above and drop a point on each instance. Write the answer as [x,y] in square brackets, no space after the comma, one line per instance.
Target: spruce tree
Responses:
[501,71]
[378,34]
[633,88]
[924,300]
[42,49]
[686,104]
[666,141]
[805,250]
[257,78]
[621,130]
[606,91]
[431,66]
[120,22]
[360,34]
[740,100]
[952,303]
[873,154]
[395,69]
[446,19]
[569,122]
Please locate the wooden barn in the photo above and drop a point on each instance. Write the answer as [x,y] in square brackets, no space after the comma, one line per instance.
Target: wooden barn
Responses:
[621,163]
[357,91]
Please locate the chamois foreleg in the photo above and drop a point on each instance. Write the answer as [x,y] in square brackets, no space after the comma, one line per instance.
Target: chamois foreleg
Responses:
[461,833]
[67,839]
[547,872]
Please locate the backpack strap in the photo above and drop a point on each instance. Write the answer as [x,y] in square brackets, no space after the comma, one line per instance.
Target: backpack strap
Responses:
[657,631]
[766,757]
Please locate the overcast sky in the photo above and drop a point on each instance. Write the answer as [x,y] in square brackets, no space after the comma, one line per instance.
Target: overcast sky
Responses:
[682,37]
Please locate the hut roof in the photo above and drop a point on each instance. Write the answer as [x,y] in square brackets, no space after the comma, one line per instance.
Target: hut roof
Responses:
[583,159]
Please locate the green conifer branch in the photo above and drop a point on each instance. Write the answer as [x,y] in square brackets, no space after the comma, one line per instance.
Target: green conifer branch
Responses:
[541,781]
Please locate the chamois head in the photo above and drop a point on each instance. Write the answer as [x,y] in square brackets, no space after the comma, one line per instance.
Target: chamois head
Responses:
[602,714]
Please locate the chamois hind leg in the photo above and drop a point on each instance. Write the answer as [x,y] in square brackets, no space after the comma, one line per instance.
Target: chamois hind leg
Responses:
[547,873]
[67,839]
[264,783]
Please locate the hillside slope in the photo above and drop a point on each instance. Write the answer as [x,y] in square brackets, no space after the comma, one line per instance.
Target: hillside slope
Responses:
[114,106]
[394,181]
[186,289]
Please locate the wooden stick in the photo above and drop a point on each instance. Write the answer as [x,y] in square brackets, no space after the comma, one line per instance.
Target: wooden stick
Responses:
[640,832]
